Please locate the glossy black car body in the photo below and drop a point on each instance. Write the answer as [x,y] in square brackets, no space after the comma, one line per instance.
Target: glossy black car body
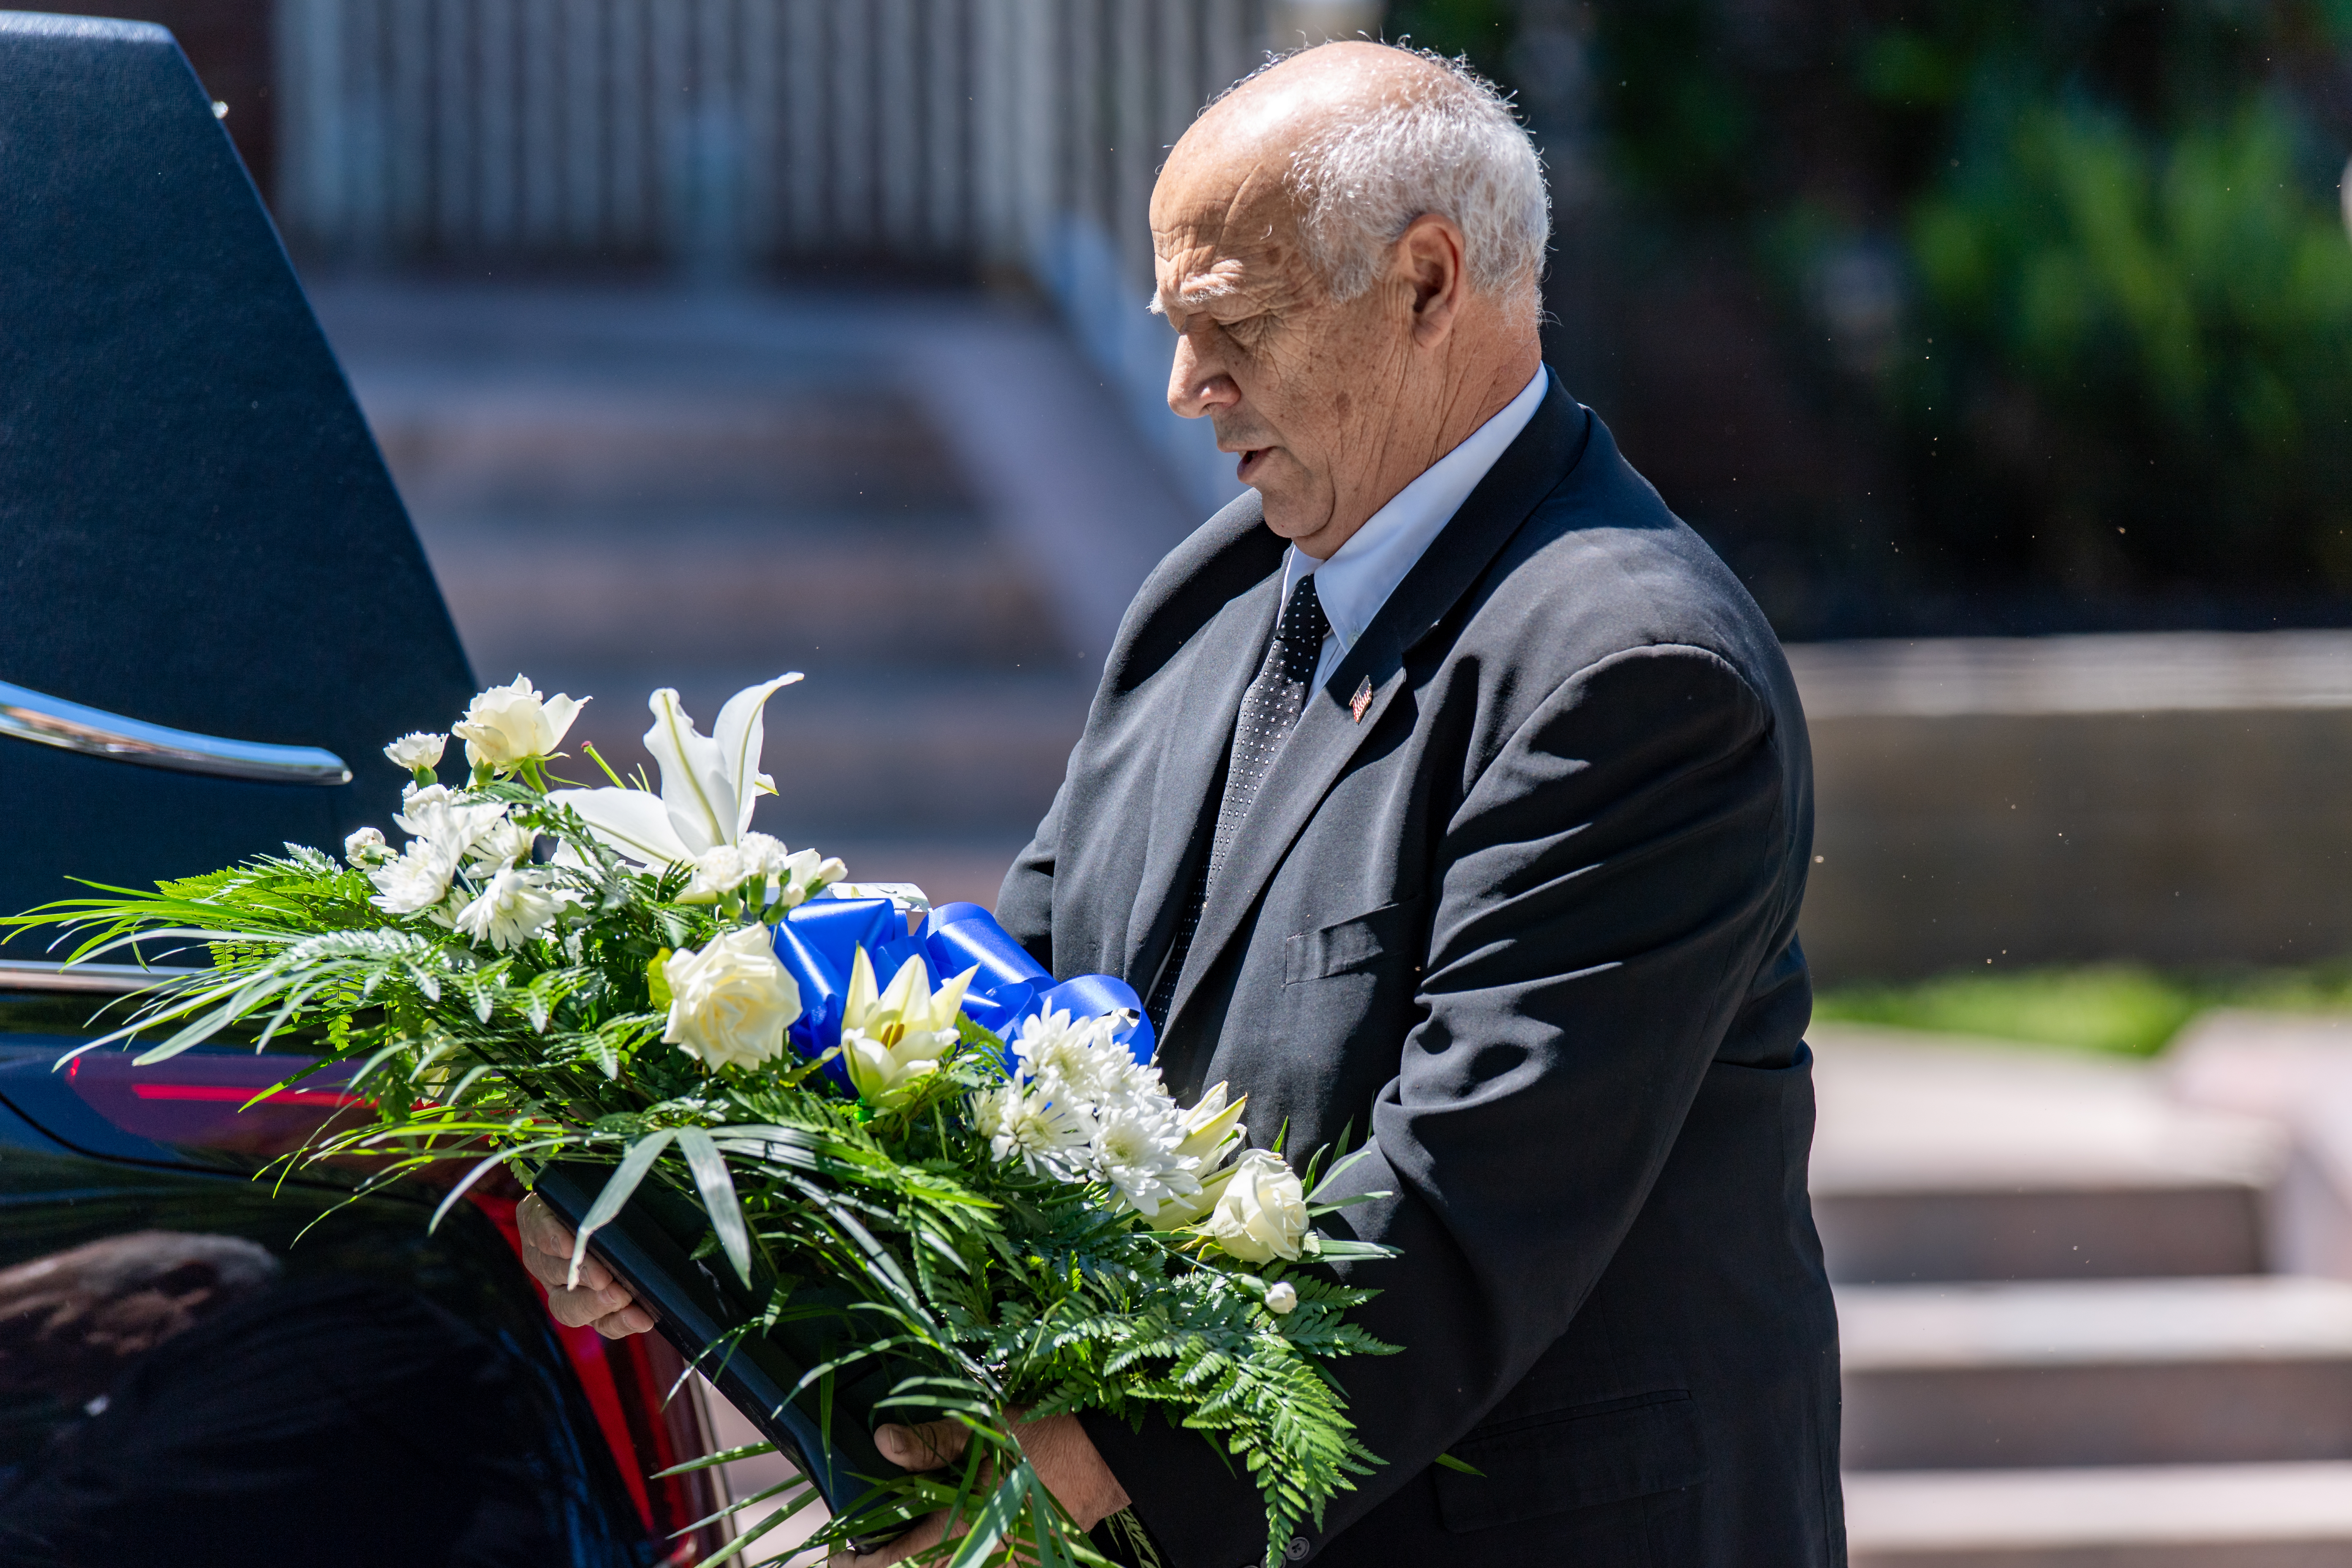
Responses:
[206,585]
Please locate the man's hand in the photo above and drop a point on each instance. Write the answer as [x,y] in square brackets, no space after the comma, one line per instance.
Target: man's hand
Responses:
[1057,1445]
[599,1299]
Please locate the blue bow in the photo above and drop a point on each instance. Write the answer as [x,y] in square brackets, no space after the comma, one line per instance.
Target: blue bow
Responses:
[819,942]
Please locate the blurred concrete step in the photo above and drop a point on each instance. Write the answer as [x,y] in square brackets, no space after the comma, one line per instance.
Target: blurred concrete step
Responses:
[687,588]
[861,753]
[2099,1373]
[584,432]
[1939,1159]
[2184,1516]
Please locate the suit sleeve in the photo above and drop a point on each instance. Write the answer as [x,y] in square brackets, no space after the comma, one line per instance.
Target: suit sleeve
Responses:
[1603,895]
[1025,904]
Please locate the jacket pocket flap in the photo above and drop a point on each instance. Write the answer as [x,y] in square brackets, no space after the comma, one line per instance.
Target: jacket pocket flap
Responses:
[1575,1458]
[1347,946]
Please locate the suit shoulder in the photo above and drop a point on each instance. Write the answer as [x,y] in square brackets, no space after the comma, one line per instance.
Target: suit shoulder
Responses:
[1603,567]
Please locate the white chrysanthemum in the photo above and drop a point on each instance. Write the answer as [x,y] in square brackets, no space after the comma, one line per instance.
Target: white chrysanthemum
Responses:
[718,871]
[366,848]
[1081,1059]
[1022,1124]
[415,882]
[780,876]
[448,822]
[504,845]
[416,751]
[517,906]
[1134,1151]
[443,830]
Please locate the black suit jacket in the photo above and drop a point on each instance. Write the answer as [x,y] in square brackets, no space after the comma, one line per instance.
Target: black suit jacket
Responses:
[1531,922]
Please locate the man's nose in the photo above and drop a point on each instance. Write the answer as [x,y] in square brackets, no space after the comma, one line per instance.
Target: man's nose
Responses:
[1197,385]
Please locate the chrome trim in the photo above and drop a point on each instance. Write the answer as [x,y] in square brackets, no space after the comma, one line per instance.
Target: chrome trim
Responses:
[35,716]
[88,979]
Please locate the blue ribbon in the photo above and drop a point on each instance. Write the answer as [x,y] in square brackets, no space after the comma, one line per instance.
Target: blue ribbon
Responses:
[819,942]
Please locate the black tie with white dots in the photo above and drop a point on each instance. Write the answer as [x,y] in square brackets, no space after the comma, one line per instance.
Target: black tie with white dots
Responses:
[1270,710]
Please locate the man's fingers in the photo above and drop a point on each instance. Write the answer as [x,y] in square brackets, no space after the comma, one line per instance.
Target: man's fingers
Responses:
[620,1325]
[923,1448]
[929,1531]
[547,1244]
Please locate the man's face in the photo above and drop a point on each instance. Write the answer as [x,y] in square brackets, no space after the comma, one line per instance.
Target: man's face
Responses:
[1301,389]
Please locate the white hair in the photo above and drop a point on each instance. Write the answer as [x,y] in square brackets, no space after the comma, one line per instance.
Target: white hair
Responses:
[1447,143]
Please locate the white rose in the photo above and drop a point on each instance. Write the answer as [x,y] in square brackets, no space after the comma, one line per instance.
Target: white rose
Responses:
[507,725]
[416,751]
[366,848]
[516,906]
[1262,1214]
[731,1002]
[1282,1296]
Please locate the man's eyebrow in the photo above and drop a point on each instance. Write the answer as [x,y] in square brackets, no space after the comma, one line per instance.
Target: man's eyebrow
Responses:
[1193,298]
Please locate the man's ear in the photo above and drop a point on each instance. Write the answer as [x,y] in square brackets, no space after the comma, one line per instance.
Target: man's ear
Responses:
[1429,264]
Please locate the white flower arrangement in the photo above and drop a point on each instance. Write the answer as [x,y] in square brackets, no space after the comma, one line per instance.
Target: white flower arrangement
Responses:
[545,975]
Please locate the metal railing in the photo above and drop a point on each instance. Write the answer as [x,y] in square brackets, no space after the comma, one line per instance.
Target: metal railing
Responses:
[727,137]
[733,132]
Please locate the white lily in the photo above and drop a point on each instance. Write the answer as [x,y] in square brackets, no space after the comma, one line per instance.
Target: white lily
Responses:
[898,1035]
[708,782]
[1212,1128]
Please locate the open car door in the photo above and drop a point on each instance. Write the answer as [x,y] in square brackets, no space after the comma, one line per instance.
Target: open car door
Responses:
[215,614]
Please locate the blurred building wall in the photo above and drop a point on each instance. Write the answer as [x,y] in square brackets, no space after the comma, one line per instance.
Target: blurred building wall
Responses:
[726,137]
[2166,797]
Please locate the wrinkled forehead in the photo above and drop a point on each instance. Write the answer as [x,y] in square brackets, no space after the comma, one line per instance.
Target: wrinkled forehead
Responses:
[1222,222]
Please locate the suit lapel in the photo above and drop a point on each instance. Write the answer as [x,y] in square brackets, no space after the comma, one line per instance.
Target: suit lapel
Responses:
[1329,734]
[1193,734]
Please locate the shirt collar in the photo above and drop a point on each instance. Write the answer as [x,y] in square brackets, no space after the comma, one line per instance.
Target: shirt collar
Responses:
[1362,572]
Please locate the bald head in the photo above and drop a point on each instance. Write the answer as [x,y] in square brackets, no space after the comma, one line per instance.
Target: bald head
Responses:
[1346,143]
[1348,244]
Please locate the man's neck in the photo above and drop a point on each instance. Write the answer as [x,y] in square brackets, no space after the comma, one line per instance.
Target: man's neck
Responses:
[1461,408]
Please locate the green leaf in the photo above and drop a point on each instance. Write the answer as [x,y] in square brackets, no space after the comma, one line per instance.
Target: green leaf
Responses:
[617,1190]
[657,983]
[1467,1468]
[995,1518]
[718,1197]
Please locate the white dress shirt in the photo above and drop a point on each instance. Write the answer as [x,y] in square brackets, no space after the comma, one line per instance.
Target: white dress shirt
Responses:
[1361,573]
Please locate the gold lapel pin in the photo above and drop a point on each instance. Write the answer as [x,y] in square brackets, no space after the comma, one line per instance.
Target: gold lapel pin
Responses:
[1361,700]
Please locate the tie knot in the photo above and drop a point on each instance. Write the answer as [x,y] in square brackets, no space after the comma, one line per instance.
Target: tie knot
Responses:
[1304,624]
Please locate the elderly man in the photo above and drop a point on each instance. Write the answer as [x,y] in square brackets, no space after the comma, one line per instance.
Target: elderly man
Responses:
[1447,789]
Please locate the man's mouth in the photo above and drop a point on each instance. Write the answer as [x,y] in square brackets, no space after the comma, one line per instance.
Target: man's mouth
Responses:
[1252,458]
